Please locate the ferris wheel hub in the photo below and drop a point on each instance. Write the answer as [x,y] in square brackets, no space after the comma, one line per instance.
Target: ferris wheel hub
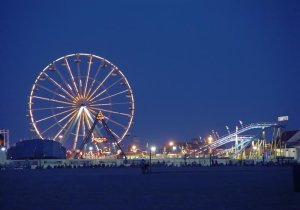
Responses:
[82,103]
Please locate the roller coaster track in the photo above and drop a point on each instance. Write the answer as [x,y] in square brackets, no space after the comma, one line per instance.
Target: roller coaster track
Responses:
[232,136]
[238,148]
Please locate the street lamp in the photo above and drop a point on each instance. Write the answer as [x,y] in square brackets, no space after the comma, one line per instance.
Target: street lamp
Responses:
[171,143]
[90,152]
[210,139]
[152,149]
[174,148]
[133,148]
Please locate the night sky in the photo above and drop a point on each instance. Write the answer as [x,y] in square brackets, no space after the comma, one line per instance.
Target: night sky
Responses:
[193,66]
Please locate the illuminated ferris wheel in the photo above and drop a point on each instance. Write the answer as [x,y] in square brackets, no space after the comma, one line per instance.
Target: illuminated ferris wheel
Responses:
[70,91]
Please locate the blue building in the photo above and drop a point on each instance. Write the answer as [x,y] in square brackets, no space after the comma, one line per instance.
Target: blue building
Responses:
[37,149]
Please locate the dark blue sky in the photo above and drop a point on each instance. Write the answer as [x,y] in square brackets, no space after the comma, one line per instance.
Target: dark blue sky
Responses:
[194,66]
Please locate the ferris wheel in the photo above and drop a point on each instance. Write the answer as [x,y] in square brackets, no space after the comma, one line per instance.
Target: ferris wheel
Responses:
[70,91]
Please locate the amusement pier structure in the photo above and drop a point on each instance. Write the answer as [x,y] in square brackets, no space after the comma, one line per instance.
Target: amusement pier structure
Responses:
[241,144]
[85,102]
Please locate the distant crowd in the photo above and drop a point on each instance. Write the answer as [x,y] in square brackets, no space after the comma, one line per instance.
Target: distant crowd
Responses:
[145,164]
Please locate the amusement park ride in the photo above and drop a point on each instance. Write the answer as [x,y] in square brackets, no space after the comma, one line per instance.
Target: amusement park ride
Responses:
[246,146]
[72,94]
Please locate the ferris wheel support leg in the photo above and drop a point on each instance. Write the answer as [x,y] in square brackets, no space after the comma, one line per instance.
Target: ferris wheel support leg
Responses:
[112,137]
[108,132]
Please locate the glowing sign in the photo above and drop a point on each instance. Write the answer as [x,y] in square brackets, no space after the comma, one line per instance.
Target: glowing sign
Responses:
[283,118]
[100,116]
[99,139]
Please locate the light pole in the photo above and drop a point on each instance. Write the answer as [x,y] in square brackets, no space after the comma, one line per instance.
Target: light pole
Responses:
[174,148]
[91,152]
[209,141]
[152,149]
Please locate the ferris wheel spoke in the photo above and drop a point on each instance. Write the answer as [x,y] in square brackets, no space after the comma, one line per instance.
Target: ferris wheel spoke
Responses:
[48,129]
[116,135]
[69,128]
[113,112]
[83,125]
[111,104]
[55,93]
[93,111]
[71,74]
[79,80]
[110,96]
[54,115]
[87,121]
[64,82]
[51,99]
[119,124]
[77,61]
[71,119]
[56,124]
[60,75]
[94,79]
[105,90]
[100,85]
[88,75]
[58,85]
[88,124]
[77,129]
[47,108]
